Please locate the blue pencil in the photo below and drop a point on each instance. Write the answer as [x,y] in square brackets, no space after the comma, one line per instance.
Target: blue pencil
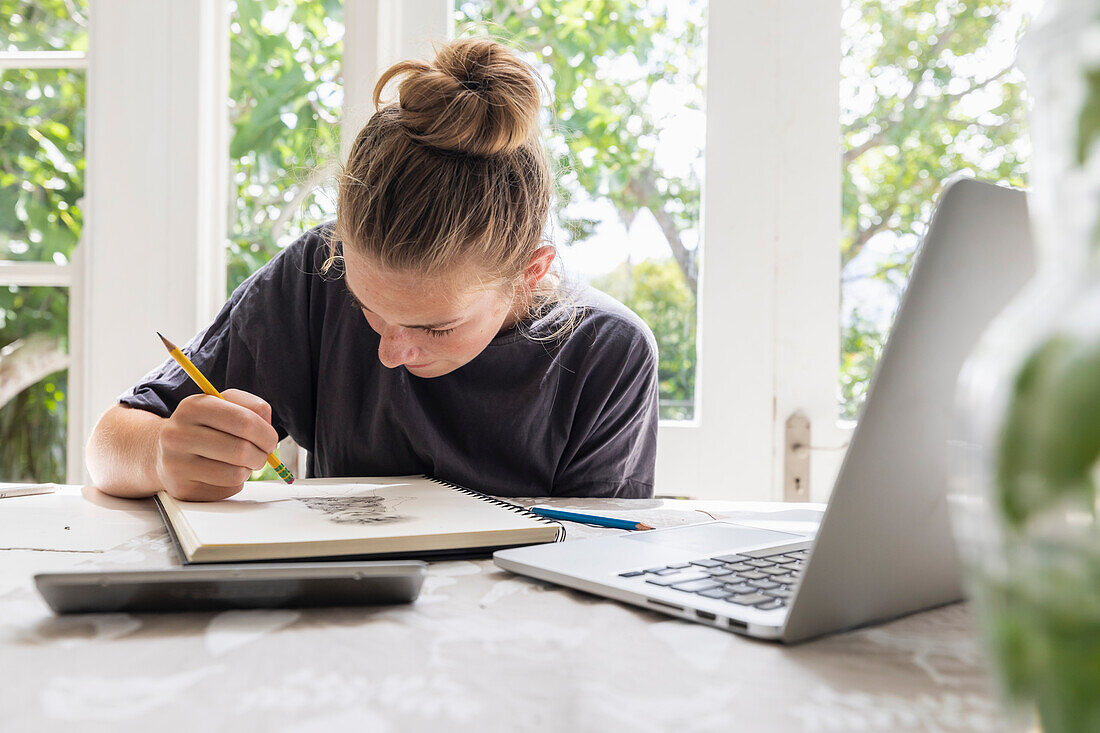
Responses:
[589,519]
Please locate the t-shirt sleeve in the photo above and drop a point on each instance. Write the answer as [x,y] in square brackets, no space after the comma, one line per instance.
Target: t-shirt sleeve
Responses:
[255,344]
[612,446]
[221,354]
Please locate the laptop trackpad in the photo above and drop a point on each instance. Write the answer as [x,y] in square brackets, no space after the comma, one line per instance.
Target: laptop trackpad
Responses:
[710,539]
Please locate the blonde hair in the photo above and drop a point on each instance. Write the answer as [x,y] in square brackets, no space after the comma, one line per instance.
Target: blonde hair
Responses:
[452,173]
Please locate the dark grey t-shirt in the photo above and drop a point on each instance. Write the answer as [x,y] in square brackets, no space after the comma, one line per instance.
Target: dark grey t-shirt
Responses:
[572,416]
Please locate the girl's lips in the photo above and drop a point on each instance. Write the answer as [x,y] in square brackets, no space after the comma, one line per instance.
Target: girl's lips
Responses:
[417,366]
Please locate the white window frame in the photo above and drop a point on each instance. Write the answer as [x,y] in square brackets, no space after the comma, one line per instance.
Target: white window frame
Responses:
[152,255]
[769,286]
[377,34]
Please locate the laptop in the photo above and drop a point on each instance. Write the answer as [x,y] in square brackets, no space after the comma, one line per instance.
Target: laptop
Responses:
[883,547]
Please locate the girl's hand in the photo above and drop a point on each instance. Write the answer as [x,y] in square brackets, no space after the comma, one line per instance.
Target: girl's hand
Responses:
[209,447]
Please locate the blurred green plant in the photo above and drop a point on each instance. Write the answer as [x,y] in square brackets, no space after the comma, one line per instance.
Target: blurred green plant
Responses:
[1050,437]
[41,187]
[1050,434]
[1036,573]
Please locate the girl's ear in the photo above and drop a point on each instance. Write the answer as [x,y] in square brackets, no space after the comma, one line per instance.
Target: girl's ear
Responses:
[538,266]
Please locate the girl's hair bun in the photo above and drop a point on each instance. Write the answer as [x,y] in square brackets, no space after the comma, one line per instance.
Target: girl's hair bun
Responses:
[477,97]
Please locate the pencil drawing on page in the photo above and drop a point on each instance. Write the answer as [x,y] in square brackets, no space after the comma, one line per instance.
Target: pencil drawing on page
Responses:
[354,509]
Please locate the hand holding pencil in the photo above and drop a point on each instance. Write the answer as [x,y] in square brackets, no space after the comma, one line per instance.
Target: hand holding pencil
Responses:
[213,441]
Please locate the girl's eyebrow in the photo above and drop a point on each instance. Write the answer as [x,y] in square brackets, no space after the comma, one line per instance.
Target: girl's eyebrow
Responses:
[429,326]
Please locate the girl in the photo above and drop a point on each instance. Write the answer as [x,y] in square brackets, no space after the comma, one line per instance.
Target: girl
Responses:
[421,332]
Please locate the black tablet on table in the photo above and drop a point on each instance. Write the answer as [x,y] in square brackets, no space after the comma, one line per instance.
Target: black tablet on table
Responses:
[228,586]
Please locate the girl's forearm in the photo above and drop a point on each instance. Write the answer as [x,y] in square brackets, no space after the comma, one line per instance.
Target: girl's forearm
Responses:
[122,452]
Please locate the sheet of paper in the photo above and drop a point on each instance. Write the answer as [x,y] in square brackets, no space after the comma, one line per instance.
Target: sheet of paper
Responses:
[800,518]
[74,519]
[799,521]
[9,490]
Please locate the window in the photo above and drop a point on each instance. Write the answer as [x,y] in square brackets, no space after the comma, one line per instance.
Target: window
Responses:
[628,137]
[285,99]
[42,116]
[762,314]
[626,132]
[928,89]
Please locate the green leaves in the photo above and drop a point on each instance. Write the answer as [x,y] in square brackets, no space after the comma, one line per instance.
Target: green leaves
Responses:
[860,348]
[32,425]
[41,162]
[1042,623]
[285,100]
[1088,122]
[920,103]
[1050,438]
[656,291]
[602,60]
[44,25]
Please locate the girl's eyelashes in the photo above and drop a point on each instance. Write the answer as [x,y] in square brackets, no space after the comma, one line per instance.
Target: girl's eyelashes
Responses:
[436,332]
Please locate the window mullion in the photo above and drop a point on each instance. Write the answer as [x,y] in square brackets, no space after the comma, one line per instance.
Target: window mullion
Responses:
[35,274]
[807,235]
[156,152]
[378,33]
[43,60]
[771,210]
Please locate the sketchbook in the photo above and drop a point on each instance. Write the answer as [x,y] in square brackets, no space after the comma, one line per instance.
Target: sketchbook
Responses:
[353,518]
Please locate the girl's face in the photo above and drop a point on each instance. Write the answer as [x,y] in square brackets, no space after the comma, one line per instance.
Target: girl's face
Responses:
[430,326]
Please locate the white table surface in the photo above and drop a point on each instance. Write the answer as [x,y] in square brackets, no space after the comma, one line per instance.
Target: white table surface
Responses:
[480,650]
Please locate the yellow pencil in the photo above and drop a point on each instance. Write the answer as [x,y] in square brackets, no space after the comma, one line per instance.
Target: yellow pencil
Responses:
[205,386]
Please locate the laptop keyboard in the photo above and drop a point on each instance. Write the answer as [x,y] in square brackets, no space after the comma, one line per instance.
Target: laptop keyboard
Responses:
[764,582]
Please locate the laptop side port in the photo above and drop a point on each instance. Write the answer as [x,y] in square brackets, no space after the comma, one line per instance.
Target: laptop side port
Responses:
[662,604]
[735,624]
[706,615]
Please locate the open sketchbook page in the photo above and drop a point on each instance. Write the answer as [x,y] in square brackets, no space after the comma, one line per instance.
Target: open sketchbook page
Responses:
[326,510]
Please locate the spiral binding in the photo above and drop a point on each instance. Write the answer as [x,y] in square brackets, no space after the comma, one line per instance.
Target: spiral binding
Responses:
[501,503]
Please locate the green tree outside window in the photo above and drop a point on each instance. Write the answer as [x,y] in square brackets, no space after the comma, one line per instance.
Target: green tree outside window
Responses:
[285,95]
[41,188]
[929,89]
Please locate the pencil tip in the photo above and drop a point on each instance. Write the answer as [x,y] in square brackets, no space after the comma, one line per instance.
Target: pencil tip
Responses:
[167,344]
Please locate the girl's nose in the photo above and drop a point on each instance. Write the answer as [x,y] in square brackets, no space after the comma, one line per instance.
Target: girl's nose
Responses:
[395,347]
